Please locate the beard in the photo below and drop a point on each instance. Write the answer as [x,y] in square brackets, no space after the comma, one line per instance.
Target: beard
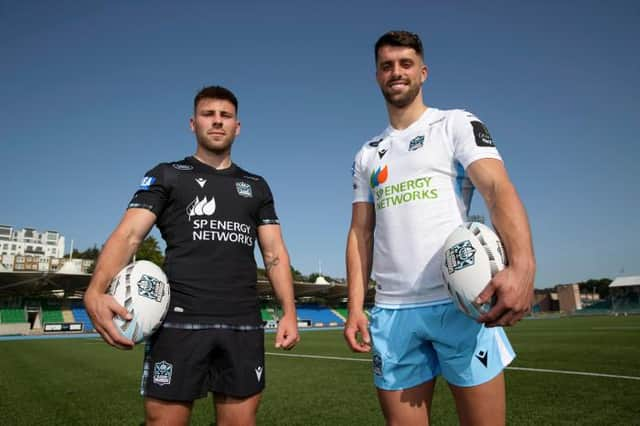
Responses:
[401,101]
[219,147]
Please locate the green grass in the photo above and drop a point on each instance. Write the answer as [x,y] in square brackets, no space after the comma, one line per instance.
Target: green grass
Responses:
[85,382]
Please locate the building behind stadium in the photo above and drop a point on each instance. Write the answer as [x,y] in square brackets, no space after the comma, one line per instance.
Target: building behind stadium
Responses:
[31,250]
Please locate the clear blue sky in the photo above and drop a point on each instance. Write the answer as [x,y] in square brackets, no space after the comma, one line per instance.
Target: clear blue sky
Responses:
[93,94]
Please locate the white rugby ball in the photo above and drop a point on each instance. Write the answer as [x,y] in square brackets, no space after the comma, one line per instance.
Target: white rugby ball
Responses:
[143,289]
[473,254]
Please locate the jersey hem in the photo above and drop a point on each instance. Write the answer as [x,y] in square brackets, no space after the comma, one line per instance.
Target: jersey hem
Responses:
[413,305]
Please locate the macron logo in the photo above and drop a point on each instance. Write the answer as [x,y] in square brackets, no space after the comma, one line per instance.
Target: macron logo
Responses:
[483,357]
[258,371]
[202,182]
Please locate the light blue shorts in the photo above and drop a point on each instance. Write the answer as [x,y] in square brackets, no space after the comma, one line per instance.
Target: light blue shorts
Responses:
[413,345]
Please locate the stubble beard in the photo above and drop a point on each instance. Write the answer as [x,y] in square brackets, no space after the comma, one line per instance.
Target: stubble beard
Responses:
[404,100]
[219,149]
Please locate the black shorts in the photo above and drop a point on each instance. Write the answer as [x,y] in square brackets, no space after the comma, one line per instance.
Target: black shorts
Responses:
[184,364]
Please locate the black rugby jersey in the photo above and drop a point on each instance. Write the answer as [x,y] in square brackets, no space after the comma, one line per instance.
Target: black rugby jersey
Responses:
[208,219]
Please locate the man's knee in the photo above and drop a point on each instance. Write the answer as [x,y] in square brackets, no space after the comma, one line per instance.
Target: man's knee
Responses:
[160,413]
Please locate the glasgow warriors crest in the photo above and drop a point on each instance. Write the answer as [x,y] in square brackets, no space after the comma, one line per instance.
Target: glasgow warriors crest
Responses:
[162,372]
[460,256]
[151,288]
[244,189]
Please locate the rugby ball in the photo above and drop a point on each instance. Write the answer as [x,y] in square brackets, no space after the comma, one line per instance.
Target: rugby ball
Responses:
[142,288]
[473,254]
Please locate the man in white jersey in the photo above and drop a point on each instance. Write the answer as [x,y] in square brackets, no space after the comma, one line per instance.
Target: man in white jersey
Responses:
[412,186]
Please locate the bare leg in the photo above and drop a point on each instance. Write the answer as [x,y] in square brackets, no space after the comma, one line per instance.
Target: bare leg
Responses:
[408,406]
[480,405]
[166,413]
[236,411]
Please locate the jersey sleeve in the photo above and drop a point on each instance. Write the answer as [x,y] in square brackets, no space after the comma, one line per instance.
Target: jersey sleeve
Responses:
[361,191]
[153,192]
[471,139]
[266,210]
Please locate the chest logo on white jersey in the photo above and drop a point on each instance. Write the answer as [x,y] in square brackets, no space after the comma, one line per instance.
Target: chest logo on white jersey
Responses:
[416,143]
[379,176]
[382,152]
[202,207]
[201,181]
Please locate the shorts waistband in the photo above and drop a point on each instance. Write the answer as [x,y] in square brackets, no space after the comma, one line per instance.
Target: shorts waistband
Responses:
[201,326]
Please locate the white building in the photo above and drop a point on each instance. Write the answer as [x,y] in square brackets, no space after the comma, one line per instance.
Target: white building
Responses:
[30,242]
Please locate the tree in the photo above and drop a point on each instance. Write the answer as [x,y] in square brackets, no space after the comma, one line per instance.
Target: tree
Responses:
[600,286]
[262,274]
[297,275]
[150,250]
[91,253]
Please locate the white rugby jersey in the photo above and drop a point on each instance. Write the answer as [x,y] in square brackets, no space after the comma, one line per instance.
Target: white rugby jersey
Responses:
[416,180]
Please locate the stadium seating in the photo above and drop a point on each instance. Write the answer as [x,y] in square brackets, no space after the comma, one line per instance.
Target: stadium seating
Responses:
[267,314]
[51,314]
[318,315]
[12,315]
[598,306]
[343,312]
[621,305]
[80,315]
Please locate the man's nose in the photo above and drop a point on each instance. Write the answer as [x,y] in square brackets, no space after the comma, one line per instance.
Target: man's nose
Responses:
[396,70]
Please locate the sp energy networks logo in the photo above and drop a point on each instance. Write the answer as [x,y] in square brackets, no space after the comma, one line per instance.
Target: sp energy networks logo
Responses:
[460,256]
[209,228]
[379,176]
[202,207]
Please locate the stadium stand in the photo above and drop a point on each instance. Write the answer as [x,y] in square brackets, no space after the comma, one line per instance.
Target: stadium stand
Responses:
[319,316]
[602,307]
[67,315]
[51,313]
[625,294]
[12,315]
[267,314]
[342,312]
[80,315]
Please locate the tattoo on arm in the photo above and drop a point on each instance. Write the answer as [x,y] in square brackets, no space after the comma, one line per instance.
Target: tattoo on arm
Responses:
[271,263]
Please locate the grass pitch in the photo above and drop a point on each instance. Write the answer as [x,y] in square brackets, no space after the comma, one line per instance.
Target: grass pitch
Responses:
[86,382]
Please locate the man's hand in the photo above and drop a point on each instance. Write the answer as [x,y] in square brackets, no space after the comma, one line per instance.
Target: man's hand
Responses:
[287,336]
[102,307]
[356,332]
[513,289]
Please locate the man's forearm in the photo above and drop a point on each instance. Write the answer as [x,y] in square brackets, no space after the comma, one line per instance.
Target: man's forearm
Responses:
[509,217]
[359,250]
[117,251]
[278,271]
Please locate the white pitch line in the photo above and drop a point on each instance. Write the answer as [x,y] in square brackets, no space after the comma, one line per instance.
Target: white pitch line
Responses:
[575,373]
[339,358]
[535,370]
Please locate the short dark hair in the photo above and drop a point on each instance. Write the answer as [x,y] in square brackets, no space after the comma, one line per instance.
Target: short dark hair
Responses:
[400,39]
[215,92]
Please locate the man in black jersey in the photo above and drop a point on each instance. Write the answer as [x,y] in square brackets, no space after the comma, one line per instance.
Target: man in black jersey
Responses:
[210,213]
